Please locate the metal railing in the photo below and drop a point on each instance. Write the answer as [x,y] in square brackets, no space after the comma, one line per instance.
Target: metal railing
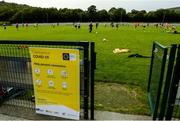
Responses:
[163,82]
[16,73]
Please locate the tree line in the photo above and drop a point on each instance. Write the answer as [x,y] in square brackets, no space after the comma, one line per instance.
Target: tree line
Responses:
[11,12]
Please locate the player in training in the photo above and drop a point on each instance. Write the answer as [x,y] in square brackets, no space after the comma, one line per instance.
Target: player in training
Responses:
[17,26]
[90,27]
[4,25]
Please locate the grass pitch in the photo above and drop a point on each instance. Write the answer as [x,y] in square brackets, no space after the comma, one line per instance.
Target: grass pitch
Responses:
[112,68]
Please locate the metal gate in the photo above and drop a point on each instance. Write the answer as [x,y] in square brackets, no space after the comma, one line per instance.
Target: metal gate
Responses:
[16,76]
[163,82]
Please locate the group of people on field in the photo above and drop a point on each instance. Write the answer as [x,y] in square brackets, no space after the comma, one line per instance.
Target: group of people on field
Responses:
[165,26]
[168,27]
[78,25]
[91,26]
[17,26]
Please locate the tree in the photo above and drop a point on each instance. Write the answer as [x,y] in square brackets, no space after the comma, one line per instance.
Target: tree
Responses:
[102,15]
[137,16]
[92,12]
[77,15]
[117,14]
[23,13]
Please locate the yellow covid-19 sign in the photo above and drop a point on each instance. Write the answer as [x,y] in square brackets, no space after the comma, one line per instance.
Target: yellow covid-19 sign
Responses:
[56,79]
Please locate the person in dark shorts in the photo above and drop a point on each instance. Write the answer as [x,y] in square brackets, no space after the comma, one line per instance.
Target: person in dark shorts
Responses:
[90,27]
[79,25]
[75,25]
[112,24]
[4,25]
[97,24]
[26,24]
[17,26]
[117,26]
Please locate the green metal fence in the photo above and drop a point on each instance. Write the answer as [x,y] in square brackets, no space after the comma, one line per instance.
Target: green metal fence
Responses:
[163,82]
[16,76]
[173,105]
[157,69]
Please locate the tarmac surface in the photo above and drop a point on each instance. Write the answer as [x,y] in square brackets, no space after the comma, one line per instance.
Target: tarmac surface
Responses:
[6,117]
[99,115]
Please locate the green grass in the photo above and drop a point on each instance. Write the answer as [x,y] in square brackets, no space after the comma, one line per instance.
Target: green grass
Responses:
[121,98]
[112,68]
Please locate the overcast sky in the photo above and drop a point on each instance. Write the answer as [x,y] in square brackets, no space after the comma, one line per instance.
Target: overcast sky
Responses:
[102,4]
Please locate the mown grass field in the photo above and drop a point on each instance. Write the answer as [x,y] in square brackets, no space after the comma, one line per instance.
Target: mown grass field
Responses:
[112,68]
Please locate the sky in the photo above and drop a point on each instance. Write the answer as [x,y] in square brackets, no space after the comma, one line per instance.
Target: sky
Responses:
[147,5]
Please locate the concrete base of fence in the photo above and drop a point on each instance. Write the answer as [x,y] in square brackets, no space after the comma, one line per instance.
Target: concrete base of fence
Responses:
[7,117]
[106,115]
[8,112]
[24,113]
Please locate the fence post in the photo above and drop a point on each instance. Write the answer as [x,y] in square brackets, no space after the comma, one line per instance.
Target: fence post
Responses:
[151,66]
[93,67]
[174,87]
[168,81]
[160,83]
[86,80]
